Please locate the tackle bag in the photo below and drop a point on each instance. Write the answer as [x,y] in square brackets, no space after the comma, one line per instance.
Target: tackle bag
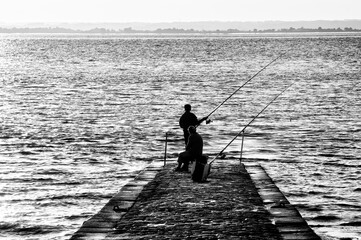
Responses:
[200,169]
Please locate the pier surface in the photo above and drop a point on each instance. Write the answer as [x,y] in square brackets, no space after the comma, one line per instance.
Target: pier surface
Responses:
[237,202]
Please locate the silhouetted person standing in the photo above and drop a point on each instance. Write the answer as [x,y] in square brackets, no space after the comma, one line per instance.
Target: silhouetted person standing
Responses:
[188,119]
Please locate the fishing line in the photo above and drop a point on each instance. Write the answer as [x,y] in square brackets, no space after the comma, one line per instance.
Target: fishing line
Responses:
[221,152]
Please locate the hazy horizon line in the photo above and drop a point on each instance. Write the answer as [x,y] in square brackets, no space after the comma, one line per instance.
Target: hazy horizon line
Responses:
[189,21]
[196,25]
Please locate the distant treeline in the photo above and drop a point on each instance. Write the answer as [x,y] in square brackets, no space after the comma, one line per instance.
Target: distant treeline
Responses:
[172,30]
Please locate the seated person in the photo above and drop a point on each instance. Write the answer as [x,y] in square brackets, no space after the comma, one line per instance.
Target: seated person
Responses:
[194,149]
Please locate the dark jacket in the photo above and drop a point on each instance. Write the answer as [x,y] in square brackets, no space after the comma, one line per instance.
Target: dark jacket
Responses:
[188,119]
[195,145]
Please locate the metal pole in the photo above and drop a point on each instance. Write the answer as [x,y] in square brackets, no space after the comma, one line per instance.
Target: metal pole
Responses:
[165,148]
[240,159]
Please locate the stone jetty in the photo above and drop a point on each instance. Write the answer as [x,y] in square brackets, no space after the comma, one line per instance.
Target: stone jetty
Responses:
[238,201]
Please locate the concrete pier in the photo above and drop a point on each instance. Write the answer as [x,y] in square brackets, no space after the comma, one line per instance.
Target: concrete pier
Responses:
[239,201]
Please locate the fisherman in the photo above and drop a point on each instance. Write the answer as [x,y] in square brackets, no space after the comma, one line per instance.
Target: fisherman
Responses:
[189,119]
[194,150]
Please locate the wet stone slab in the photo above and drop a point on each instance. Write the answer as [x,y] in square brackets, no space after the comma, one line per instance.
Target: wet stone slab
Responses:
[172,206]
[235,203]
[288,220]
[105,221]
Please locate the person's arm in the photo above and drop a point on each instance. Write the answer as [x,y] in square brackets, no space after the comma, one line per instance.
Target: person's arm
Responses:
[190,143]
[181,120]
[202,119]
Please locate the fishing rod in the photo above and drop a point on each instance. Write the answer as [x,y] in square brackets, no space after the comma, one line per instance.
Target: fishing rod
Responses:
[221,152]
[243,85]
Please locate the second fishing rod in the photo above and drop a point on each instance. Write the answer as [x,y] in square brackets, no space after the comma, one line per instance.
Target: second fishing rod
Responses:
[242,131]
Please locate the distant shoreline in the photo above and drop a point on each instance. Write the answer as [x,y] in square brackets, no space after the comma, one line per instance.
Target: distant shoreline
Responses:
[175,31]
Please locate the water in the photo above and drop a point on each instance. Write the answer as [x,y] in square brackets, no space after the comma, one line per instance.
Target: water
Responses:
[82,115]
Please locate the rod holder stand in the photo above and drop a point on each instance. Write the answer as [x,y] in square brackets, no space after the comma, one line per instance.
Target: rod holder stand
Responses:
[240,159]
[165,148]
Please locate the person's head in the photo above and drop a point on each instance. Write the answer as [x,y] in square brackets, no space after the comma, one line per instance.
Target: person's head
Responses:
[192,129]
[187,107]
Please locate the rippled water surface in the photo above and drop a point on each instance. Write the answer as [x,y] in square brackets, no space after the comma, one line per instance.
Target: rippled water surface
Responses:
[81,115]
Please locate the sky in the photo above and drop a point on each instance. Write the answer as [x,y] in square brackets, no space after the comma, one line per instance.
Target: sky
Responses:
[14,11]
